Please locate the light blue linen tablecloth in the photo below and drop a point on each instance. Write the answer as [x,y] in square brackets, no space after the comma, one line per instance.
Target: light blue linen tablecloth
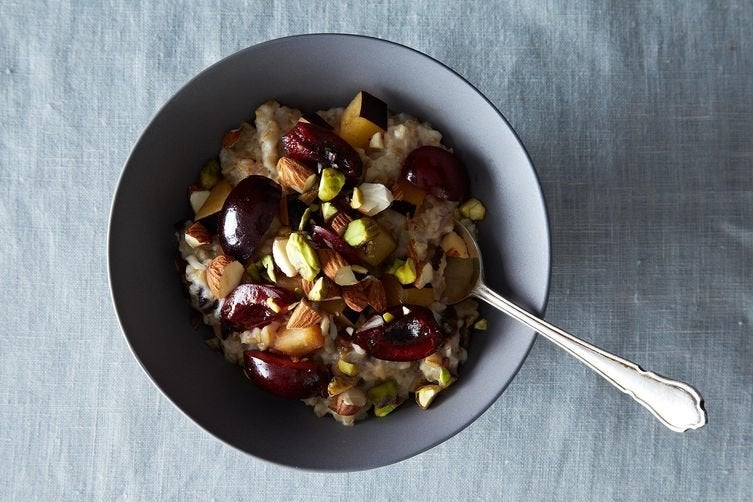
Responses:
[639,118]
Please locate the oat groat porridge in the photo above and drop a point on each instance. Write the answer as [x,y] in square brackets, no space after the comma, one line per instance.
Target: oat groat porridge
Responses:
[317,254]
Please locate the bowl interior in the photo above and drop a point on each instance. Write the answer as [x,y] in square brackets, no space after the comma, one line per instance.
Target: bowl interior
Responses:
[313,72]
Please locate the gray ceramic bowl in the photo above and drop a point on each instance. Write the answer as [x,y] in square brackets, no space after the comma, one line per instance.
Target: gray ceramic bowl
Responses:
[313,72]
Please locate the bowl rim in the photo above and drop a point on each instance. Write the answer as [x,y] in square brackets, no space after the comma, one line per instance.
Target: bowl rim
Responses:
[540,309]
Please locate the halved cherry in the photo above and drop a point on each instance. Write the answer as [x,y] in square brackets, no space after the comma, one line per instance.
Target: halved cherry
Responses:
[254,305]
[407,337]
[284,377]
[247,214]
[312,144]
[436,171]
[326,237]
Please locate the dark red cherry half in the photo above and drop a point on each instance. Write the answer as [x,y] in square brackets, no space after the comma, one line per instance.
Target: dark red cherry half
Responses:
[436,171]
[254,305]
[312,145]
[408,337]
[246,216]
[283,377]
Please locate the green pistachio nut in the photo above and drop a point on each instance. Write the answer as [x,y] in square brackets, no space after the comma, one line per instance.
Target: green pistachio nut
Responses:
[472,209]
[302,256]
[209,174]
[426,394]
[383,394]
[347,368]
[318,290]
[328,211]
[330,184]
[361,231]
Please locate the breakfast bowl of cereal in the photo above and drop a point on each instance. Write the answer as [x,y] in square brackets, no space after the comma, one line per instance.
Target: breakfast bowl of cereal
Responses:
[294,286]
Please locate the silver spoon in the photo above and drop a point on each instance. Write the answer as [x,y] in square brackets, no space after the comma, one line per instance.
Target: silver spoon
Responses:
[677,405]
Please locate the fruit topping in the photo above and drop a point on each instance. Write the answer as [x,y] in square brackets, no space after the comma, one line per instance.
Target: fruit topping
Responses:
[409,337]
[314,145]
[326,237]
[247,214]
[297,342]
[254,305]
[285,378]
[436,171]
[364,117]
[316,119]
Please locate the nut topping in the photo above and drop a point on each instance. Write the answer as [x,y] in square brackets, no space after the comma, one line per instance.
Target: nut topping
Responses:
[223,275]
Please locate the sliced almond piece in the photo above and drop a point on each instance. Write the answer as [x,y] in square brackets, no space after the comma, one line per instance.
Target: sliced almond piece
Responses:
[215,200]
[292,174]
[223,275]
[375,198]
[356,297]
[340,223]
[424,275]
[197,235]
[377,297]
[304,315]
[349,402]
[280,256]
[336,268]
[197,199]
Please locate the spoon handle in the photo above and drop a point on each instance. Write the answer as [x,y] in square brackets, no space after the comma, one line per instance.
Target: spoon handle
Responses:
[677,405]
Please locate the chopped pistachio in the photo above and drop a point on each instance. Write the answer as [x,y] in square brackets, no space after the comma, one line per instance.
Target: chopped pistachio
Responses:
[383,411]
[388,317]
[330,184]
[338,385]
[329,211]
[383,394]
[305,218]
[209,174]
[405,272]
[426,394]
[445,377]
[253,272]
[347,368]
[268,263]
[357,200]
[302,256]
[481,325]
[473,209]
[360,231]
[318,290]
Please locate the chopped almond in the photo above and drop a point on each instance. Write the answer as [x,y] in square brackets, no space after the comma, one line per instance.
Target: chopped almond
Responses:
[223,275]
[304,316]
[294,175]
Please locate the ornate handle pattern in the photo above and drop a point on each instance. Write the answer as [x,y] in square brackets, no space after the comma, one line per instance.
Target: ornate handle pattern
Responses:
[677,405]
